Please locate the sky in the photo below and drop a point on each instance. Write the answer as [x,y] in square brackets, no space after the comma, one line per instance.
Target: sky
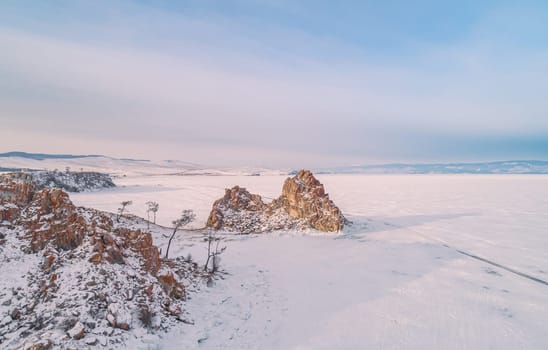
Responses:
[276,83]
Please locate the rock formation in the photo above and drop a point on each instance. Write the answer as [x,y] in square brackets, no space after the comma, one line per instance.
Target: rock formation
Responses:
[304,197]
[302,204]
[92,276]
[235,200]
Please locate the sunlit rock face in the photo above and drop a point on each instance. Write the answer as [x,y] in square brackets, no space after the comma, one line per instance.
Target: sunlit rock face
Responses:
[304,197]
[303,204]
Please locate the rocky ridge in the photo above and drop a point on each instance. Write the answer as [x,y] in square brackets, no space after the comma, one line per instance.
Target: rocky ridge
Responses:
[70,181]
[74,277]
[303,204]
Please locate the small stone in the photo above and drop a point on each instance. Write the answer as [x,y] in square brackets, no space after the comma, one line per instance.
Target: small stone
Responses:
[77,332]
[96,258]
[15,314]
[43,344]
[5,321]
[103,341]
[111,320]
[90,341]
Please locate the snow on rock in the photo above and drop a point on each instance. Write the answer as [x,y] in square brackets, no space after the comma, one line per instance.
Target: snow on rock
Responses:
[77,276]
[119,316]
[77,332]
[303,204]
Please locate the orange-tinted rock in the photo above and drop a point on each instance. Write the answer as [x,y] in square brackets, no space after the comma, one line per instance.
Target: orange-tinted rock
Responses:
[304,197]
[9,212]
[149,292]
[141,242]
[96,258]
[171,286]
[51,218]
[235,199]
[48,263]
[19,192]
[53,278]
[303,200]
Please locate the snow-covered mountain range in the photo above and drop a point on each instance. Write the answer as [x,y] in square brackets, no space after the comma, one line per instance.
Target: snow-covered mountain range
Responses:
[14,161]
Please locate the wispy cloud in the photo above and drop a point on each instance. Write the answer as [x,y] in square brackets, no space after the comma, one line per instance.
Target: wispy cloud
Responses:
[207,84]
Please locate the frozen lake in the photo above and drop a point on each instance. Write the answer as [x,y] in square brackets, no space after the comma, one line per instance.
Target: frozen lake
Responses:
[407,274]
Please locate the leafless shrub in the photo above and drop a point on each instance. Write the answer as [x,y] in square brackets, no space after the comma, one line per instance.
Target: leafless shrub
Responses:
[213,252]
[121,210]
[187,216]
[152,207]
[146,315]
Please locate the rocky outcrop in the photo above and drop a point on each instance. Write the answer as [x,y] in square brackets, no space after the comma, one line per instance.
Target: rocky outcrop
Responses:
[304,197]
[235,200]
[70,181]
[15,192]
[302,204]
[93,275]
[52,219]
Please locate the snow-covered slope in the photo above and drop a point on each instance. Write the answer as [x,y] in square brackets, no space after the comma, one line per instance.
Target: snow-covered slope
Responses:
[124,167]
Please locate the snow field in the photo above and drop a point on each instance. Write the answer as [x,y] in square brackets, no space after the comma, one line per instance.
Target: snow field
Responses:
[393,280]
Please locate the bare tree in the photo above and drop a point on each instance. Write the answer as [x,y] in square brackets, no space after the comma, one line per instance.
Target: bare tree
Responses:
[152,207]
[121,210]
[187,216]
[213,254]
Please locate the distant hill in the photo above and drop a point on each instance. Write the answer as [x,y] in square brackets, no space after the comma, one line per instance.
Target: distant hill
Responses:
[16,161]
[42,156]
[499,167]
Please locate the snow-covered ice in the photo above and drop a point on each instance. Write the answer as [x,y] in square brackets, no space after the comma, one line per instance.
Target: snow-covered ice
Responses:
[408,274]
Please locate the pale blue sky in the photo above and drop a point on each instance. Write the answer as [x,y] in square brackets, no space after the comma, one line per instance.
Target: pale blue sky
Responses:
[276,83]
